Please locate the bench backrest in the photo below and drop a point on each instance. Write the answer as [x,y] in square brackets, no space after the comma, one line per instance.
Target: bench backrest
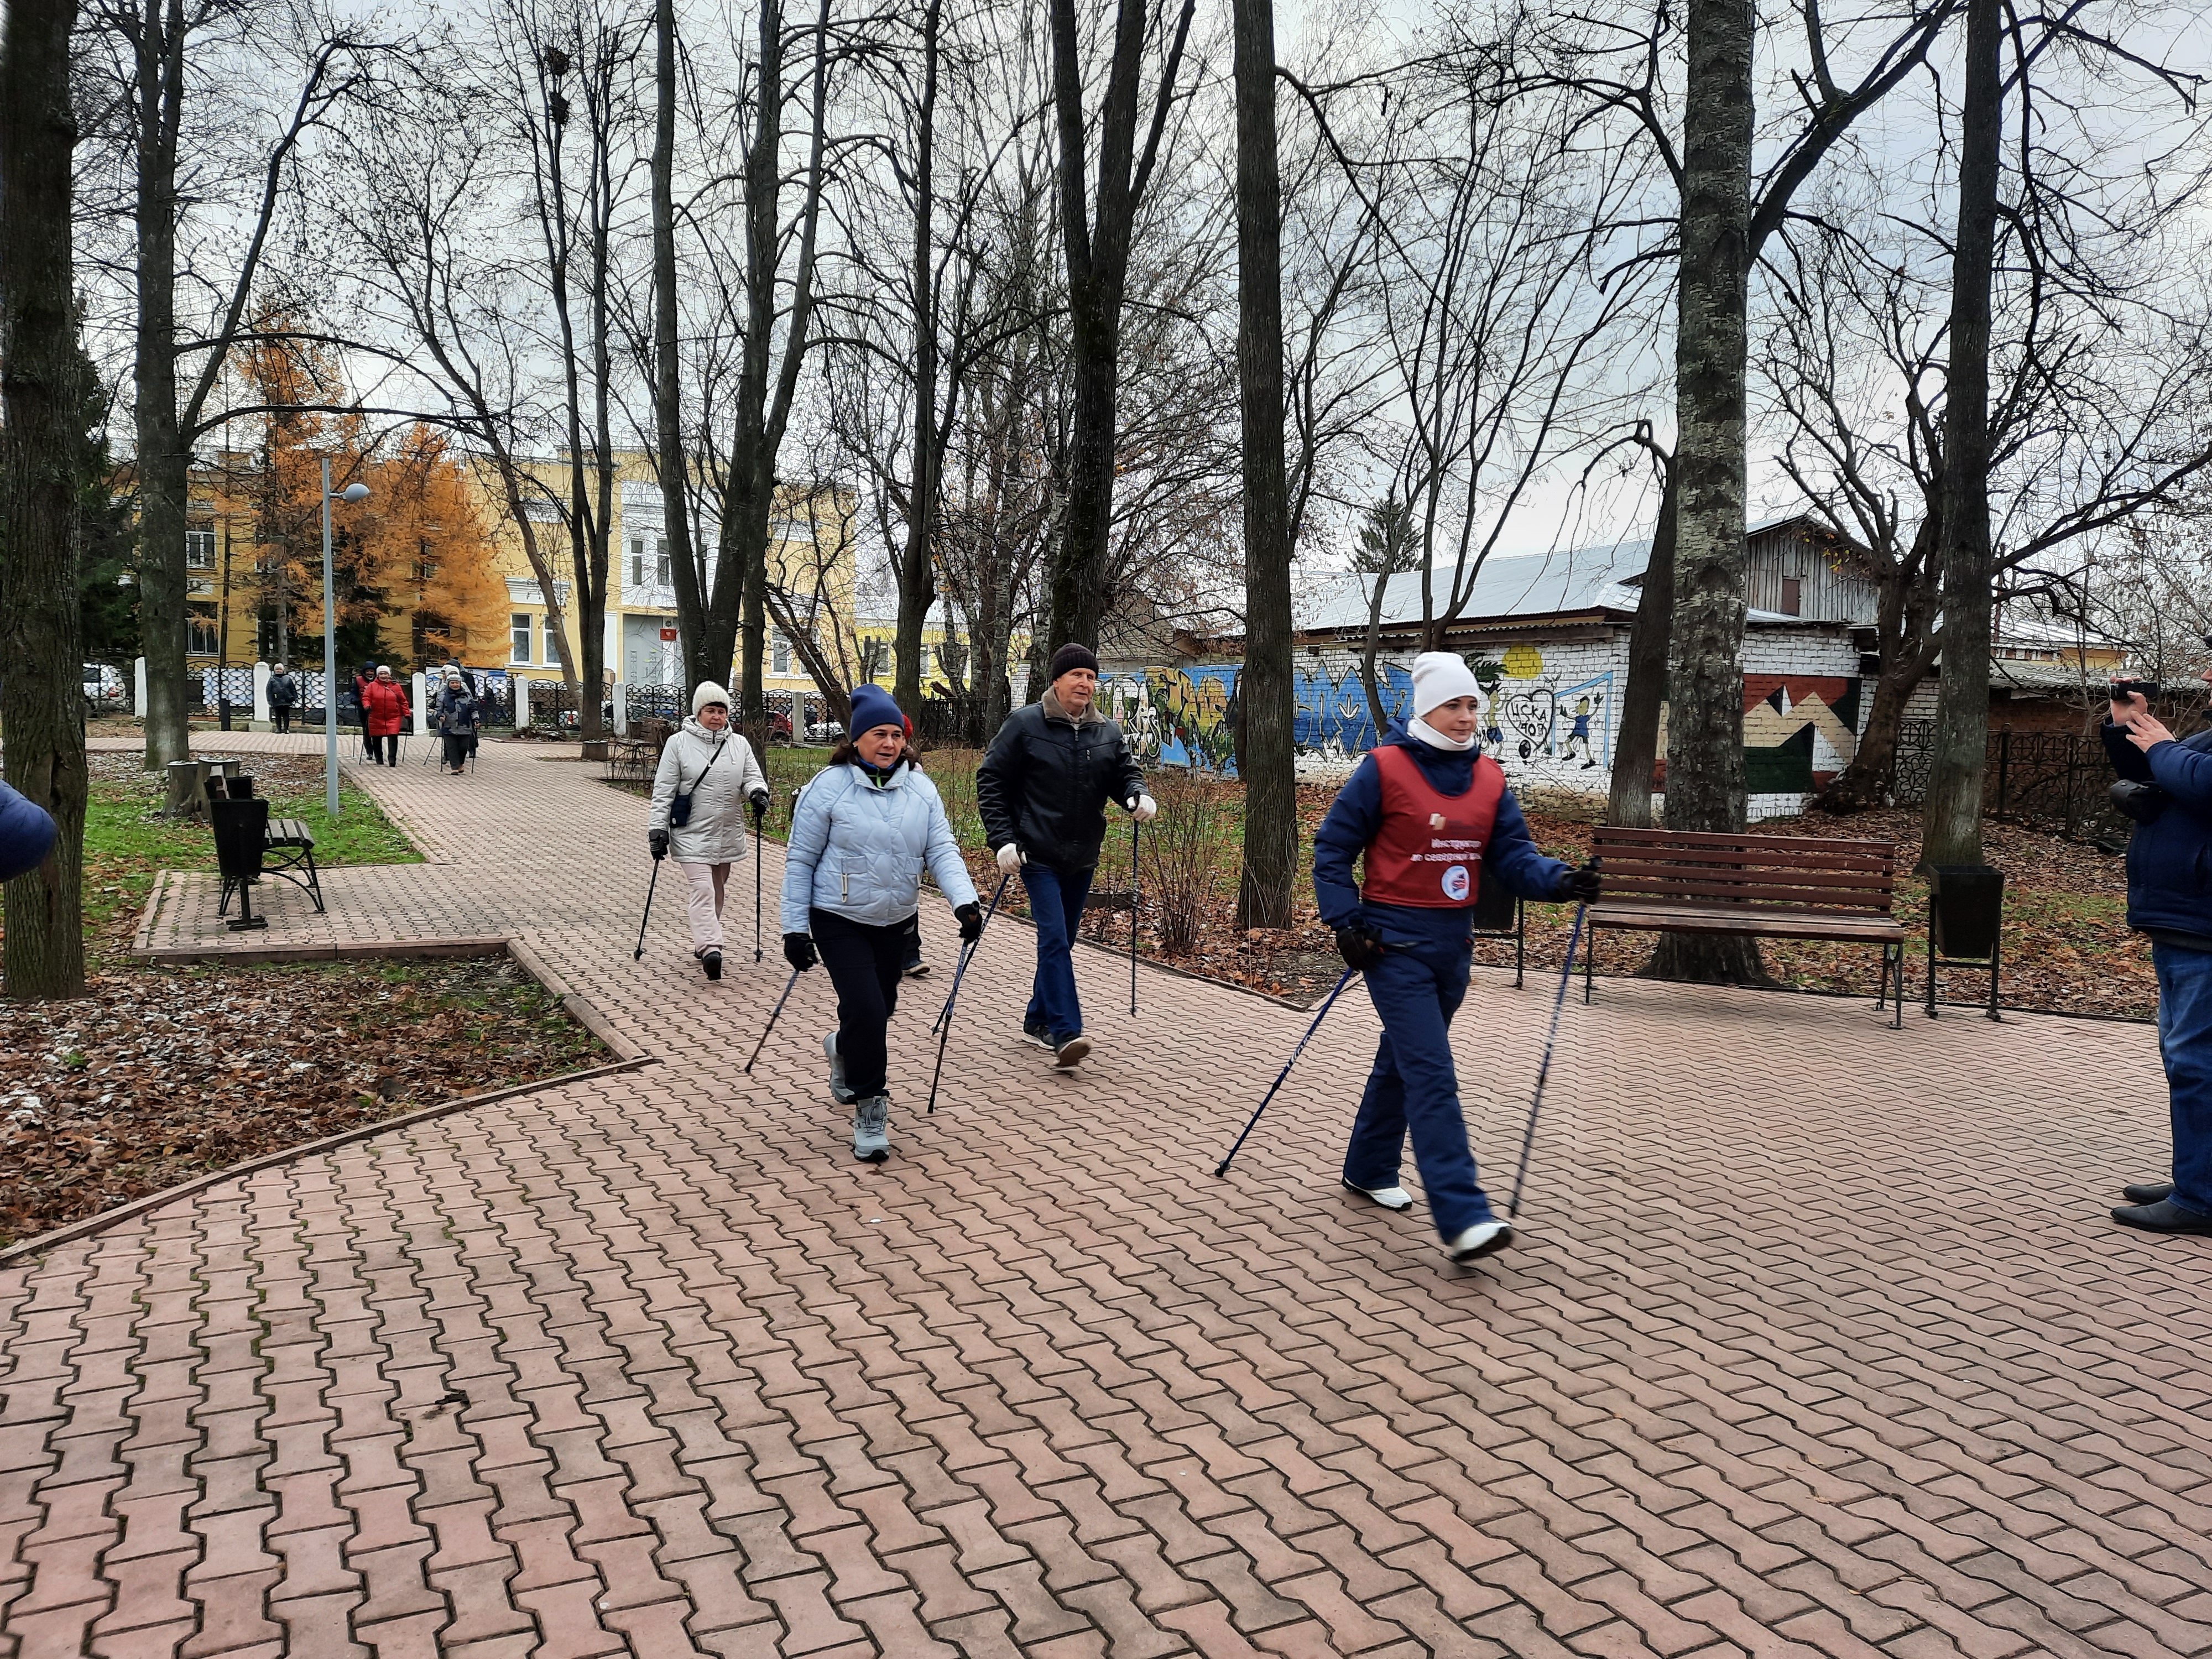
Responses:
[1796,872]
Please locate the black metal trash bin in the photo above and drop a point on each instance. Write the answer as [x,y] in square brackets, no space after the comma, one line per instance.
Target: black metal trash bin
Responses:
[1966,922]
[241,831]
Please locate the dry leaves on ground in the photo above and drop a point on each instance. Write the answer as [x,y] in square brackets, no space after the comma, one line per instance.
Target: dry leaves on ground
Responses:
[161,1074]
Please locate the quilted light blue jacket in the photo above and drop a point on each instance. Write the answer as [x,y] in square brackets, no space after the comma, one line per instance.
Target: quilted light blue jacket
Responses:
[858,849]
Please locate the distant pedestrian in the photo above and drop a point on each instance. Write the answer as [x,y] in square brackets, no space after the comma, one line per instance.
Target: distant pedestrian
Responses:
[27,834]
[456,721]
[1043,790]
[713,771]
[353,706]
[387,710]
[862,835]
[283,692]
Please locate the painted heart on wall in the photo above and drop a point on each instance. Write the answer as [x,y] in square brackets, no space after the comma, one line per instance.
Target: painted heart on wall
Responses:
[1532,714]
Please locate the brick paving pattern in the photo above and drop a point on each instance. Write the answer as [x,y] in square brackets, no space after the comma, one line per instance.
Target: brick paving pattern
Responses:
[1817,1343]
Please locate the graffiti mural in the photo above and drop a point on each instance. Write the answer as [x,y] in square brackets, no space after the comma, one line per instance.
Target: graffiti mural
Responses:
[1548,716]
[1799,730]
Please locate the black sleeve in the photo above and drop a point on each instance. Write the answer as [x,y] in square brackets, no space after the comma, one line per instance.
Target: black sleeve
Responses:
[998,786]
[2130,761]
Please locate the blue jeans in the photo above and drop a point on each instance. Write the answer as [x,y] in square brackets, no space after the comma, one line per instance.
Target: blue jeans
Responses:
[1414,1087]
[1056,906]
[2184,1043]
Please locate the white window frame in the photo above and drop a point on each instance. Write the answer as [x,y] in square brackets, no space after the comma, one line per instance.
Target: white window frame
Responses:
[198,627]
[779,654]
[521,630]
[199,549]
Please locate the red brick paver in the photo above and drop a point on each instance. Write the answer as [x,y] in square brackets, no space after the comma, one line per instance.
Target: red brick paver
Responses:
[1817,1343]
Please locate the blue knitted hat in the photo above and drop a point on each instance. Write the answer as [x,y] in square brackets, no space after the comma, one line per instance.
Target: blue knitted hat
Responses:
[872,706]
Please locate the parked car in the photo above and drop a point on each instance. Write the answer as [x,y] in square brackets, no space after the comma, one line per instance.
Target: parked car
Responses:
[822,732]
[104,690]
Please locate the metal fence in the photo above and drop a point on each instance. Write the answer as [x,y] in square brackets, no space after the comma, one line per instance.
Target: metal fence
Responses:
[235,683]
[2056,779]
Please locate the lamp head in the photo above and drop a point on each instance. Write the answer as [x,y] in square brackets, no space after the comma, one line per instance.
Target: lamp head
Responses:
[353,492]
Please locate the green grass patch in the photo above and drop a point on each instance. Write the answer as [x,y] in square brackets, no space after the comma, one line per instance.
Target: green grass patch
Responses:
[126,841]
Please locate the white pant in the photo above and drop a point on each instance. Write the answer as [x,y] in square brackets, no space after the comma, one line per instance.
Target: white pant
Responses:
[704,903]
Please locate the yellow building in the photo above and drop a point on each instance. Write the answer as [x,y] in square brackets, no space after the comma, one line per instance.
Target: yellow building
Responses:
[812,554]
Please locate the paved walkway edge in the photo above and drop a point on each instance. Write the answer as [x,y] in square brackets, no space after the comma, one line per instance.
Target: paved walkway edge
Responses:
[628,1057]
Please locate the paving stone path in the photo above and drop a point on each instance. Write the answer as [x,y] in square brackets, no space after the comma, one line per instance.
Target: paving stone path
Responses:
[1817,1344]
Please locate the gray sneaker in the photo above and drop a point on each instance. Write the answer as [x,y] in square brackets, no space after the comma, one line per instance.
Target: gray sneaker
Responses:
[872,1130]
[838,1091]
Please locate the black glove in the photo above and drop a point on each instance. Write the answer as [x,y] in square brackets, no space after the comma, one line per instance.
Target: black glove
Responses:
[798,950]
[658,840]
[1581,885]
[759,798]
[1360,947]
[971,921]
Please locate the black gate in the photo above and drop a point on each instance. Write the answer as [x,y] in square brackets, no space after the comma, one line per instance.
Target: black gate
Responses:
[2057,780]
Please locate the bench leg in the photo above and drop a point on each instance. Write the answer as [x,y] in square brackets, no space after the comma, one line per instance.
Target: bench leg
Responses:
[1895,953]
[314,882]
[1994,947]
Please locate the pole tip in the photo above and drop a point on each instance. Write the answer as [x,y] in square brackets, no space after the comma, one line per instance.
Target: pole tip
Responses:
[1221,1169]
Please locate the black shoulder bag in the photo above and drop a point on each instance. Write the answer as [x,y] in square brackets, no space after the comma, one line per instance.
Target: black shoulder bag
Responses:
[679,809]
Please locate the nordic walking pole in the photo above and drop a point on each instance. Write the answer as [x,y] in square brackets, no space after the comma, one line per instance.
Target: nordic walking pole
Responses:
[1133,879]
[1222,1169]
[1544,1070]
[759,817]
[944,1014]
[944,1025]
[638,955]
[773,1017]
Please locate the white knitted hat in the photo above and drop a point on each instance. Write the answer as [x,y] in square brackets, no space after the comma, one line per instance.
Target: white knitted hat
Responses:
[1438,676]
[708,692]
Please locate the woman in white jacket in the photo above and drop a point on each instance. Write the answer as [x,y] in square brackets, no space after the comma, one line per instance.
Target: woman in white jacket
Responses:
[715,768]
[862,835]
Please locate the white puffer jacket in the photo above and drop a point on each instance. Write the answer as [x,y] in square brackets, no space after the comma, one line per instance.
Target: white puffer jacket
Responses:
[716,833]
[858,849]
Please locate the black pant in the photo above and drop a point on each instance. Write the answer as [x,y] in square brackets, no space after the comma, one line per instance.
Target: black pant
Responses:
[385,752]
[864,964]
[457,746]
[281,718]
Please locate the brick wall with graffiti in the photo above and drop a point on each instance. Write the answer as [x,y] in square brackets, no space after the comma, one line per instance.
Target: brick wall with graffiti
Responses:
[1550,712]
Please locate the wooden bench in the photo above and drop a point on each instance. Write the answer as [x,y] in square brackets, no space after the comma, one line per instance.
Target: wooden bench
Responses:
[1669,881]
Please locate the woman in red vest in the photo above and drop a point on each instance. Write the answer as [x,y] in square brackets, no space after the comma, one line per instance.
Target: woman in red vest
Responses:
[384,703]
[1432,818]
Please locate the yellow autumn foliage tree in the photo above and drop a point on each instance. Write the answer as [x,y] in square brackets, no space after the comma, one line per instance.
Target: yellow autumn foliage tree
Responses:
[414,563]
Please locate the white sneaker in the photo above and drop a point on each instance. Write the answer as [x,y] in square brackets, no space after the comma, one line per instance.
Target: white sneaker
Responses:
[1390,1198]
[872,1137]
[1071,1053]
[1484,1238]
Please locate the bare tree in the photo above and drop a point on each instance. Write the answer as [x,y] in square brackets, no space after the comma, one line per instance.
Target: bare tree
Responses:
[206,176]
[1097,217]
[45,389]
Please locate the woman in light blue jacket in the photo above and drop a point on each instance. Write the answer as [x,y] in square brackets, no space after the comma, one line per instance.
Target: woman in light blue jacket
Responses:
[862,835]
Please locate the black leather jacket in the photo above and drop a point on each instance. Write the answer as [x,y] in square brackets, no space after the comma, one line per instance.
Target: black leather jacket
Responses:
[1046,782]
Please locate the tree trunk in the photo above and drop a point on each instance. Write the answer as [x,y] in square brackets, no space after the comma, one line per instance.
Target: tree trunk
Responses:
[917,575]
[1635,752]
[162,461]
[1951,826]
[1704,715]
[1906,651]
[667,382]
[41,449]
[1267,736]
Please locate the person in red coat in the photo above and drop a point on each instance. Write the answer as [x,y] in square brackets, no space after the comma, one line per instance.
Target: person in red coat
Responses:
[384,701]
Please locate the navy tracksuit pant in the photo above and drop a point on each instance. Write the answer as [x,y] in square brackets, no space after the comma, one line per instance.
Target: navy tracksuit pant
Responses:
[1414,1088]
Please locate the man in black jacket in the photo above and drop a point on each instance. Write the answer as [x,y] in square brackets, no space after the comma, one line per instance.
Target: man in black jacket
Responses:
[2167,787]
[1043,792]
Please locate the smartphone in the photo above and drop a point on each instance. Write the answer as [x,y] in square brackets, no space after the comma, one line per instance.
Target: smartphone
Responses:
[2122,690]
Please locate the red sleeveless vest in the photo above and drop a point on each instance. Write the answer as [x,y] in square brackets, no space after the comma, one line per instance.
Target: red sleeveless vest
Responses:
[1428,853]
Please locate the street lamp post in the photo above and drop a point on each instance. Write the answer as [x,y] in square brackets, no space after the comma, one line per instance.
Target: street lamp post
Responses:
[352,492]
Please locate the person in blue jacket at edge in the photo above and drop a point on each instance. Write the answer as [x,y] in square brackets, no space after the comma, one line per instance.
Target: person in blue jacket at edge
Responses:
[1433,818]
[2166,786]
[27,834]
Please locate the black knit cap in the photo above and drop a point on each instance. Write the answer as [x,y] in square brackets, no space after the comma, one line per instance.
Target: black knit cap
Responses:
[1071,656]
